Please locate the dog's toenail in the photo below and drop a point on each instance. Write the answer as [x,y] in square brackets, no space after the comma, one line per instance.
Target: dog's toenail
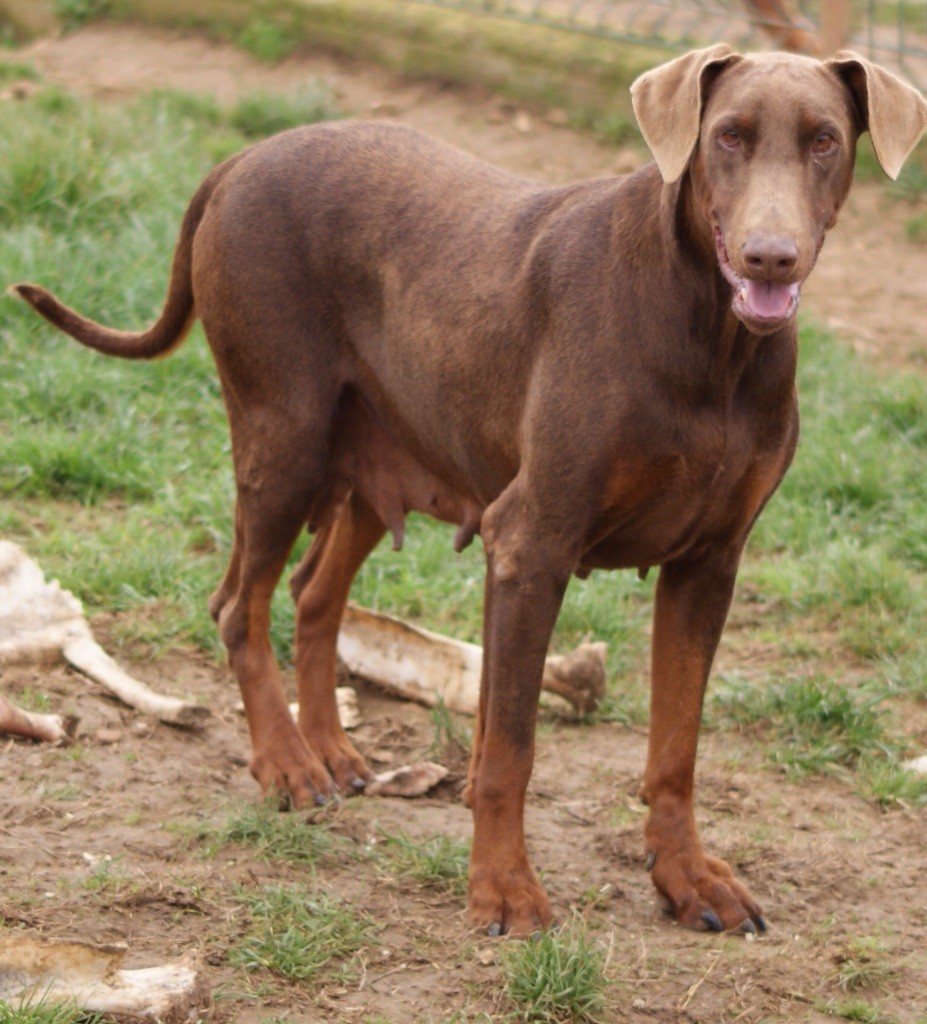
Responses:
[358,783]
[494,930]
[651,860]
[748,928]
[712,920]
[761,923]
[321,800]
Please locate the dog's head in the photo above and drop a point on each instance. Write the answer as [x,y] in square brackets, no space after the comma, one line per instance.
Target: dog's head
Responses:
[767,143]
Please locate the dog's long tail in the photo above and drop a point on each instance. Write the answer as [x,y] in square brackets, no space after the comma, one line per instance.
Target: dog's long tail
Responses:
[178,312]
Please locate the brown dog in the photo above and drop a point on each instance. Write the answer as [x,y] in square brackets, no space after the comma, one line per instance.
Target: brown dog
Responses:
[600,375]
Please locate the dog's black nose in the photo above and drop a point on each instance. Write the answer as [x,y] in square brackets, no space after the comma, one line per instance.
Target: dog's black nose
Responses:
[770,257]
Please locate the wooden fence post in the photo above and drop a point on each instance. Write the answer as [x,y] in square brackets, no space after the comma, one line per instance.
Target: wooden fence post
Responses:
[835,25]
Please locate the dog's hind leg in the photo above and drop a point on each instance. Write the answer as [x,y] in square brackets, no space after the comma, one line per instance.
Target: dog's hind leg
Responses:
[320,588]
[476,744]
[221,595]
[275,494]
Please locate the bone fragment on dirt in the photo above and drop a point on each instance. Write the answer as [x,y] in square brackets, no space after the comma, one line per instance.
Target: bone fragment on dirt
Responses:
[15,721]
[348,712]
[411,780]
[345,698]
[91,976]
[917,764]
[428,667]
[40,622]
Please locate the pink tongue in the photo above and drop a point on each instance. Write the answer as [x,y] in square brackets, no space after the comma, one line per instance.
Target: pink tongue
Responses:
[768,300]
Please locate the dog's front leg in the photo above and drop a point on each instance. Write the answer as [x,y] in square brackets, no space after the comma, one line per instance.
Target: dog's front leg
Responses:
[691,606]
[527,574]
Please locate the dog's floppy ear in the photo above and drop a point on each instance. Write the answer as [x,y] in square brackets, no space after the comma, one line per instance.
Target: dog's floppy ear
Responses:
[668,105]
[894,112]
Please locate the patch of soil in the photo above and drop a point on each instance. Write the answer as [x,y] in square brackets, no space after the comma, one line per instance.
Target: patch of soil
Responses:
[827,867]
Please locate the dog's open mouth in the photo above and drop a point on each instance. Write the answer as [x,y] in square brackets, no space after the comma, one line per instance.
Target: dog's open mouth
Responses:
[763,305]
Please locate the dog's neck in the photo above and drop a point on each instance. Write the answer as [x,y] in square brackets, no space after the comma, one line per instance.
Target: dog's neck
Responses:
[687,244]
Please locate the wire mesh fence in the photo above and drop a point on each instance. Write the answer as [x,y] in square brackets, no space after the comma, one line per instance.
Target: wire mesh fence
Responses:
[892,32]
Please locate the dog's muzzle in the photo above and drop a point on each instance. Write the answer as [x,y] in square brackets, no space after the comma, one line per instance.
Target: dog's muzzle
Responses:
[762,306]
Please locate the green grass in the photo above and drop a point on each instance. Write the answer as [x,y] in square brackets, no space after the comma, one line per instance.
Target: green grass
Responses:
[105,876]
[74,13]
[274,837]
[13,71]
[858,1010]
[911,182]
[815,726]
[297,934]
[45,1011]
[556,977]
[842,547]
[136,462]
[267,39]
[916,228]
[31,699]
[864,964]
[259,114]
[811,725]
[63,791]
[450,732]
[889,784]
[439,861]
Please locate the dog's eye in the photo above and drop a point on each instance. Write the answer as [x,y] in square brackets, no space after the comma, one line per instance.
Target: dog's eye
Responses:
[823,144]
[729,138]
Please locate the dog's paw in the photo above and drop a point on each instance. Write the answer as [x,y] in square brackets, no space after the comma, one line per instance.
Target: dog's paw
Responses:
[346,766]
[338,754]
[291,770]
[508,902]
[703,893]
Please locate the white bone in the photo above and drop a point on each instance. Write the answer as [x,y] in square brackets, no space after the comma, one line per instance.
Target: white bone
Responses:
[428,667]
[410,780]
[86,655]
[91,976]
[41,622]
[346,699]
[15,721]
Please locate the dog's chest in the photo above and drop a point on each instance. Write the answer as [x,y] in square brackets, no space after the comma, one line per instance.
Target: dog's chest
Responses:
[686,490]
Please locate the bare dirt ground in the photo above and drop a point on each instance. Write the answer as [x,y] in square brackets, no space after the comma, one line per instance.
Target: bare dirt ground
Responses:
[827,867]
